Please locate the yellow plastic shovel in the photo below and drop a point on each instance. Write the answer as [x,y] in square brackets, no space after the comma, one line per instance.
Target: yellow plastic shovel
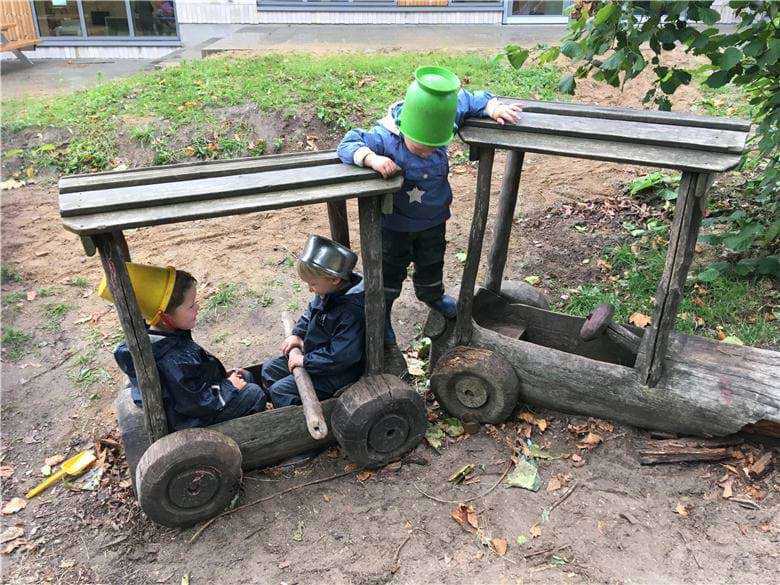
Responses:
[73,467]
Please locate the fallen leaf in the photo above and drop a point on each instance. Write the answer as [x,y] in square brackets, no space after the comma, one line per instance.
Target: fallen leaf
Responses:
[364,475]
[721,335]
[415,367]
[67,564]
[394,466]
[527,417]
[521,539]
[11,533]
[326,497]
[499,545]
[535,530]
[681,510]
[462,473]
[590,441]
[349,467]
[576,458]
[733,340]
[408,525]
[605,426]
[54,460]
[727,489]
[524,475]
[6,471]
[640,319]
[11,184]
[532,280]
[435,436]
[453,427]
[558,481]
[14,505]
[31,294]
[465,515]
[542,424]
[13,545]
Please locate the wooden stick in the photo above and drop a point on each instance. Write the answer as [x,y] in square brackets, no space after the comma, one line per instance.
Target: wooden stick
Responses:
[371,251]
[504,217]
[265,499]
[691,203]
[312,409]
[545,551]
[463,328]
[112,256]
[339,223]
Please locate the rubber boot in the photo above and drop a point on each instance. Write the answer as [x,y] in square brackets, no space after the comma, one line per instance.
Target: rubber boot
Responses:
[446,305]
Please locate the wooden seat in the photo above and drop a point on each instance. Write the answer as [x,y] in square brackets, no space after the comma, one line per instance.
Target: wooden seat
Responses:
[17,45]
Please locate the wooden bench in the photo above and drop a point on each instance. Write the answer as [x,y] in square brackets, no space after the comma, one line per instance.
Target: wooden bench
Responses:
[15,45]
[699,146]
[100,206]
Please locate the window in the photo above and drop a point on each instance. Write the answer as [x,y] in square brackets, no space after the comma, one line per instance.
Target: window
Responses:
[106,19]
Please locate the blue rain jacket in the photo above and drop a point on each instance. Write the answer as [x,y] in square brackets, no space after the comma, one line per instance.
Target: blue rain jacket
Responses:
[425,196]
[194,382]
[333,331]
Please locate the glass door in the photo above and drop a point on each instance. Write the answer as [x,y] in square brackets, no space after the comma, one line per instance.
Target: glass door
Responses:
[536,11]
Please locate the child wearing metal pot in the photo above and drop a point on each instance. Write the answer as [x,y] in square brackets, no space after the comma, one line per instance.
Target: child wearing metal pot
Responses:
[330,333]
[412,139]
[197,389]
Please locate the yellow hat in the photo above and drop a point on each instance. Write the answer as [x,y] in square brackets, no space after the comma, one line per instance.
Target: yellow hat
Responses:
[153,287]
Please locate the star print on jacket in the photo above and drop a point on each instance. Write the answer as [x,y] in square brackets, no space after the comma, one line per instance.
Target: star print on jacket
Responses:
[416,195]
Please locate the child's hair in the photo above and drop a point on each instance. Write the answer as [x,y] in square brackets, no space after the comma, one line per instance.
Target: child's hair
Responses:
[184,281]
[309,271]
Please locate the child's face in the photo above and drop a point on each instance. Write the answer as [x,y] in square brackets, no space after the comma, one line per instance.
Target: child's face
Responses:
[419,149]
[185,316]
[322,285]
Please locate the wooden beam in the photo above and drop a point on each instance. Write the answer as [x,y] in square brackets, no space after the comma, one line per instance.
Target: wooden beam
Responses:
[504,216]
[369,209]
[211,189]
[691,203]
[590,148]
[136,336]
[339,222]
[197,170]
[119,236]
[624,131]
[97,223]
[611,113]
[463,325]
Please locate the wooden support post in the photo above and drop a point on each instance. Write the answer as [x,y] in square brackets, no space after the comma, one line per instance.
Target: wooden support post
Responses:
[369,209]
[691,203]
[339,223]
[136,337]
[463,327]
[504,216]
[119,236]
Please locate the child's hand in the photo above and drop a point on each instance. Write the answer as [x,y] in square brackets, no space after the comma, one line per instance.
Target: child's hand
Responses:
[237,381]
[507,113]
[382,165]
[294,361]
[290,342]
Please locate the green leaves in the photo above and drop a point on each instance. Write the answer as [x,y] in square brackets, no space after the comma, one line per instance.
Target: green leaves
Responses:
[516,55]
[731,56]
[567,84]
[604,14]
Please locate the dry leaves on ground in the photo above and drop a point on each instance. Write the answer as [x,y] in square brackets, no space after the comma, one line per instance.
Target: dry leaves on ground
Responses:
[14,505]
[499,546]
[590,441]
[681,509]
[465,516]
[639,319]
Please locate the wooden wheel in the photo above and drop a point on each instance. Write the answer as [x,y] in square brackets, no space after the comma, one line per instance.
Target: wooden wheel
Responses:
[188,476]
[378,419]
[474,382]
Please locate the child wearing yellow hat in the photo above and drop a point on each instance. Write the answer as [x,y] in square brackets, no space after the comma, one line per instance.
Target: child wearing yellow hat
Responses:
[197,389]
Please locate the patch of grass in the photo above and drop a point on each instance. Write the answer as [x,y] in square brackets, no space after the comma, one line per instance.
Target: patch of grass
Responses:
[734,307]
[12,298]
[344,90]
[45,291]
[15,342]
[263,299]
[143,134]
[9,274]
[53,313]
[293,305]
[220,338]
[222,300]
[79,281]
[85,376]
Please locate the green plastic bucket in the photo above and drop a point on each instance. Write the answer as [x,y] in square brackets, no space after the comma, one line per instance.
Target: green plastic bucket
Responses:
[428,113]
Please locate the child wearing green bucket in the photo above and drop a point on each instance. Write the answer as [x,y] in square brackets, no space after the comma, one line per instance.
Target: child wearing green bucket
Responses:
[412,138]
[197,389]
